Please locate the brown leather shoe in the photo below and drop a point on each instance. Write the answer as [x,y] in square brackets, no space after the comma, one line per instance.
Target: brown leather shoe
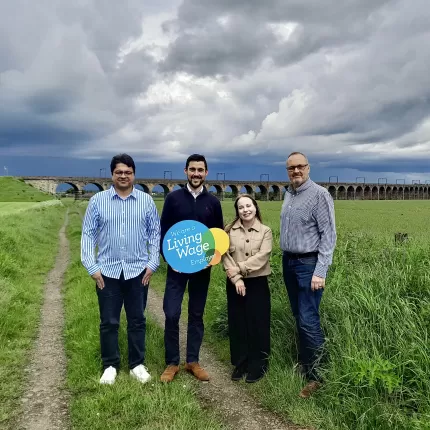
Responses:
[169,373]
[309,389]
[197,371]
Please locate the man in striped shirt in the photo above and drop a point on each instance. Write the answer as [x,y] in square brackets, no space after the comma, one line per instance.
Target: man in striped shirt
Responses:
[308,239]
[124,223]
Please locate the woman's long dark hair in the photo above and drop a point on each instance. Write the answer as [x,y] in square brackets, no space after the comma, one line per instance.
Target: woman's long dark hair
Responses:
[257,210]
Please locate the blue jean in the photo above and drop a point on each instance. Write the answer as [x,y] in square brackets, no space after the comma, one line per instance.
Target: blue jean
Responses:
[305,304]
[198,284]
[133,294]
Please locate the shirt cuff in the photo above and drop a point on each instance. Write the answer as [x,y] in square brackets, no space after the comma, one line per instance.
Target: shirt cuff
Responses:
[234,279]
[320,270]
[93,269]
[153,266]
[242,268]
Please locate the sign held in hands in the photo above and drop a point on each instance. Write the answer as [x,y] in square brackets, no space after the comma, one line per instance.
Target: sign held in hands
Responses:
[189,246]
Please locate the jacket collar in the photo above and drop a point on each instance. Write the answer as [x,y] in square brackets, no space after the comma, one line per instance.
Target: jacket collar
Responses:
[256,226]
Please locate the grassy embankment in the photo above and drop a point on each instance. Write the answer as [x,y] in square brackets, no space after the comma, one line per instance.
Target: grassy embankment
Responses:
[127,404]
[15,190]
[375,314]
[28,245]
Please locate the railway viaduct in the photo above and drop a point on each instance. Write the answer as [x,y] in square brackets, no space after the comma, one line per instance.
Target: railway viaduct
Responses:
[273,190]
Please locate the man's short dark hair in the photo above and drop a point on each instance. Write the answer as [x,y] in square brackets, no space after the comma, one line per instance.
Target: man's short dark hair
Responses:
[196,157]
[124,159]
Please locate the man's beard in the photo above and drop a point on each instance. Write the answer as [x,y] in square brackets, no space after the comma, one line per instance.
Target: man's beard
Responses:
[190,181]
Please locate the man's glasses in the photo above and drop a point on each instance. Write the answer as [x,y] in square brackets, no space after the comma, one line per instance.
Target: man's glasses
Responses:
[299,166]
[120,173]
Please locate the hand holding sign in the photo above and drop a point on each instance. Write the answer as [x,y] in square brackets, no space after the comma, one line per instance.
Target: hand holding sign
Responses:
[189,246]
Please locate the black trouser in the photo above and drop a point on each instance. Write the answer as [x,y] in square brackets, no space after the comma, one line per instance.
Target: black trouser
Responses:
[198,284]
[133,294]
[249,324]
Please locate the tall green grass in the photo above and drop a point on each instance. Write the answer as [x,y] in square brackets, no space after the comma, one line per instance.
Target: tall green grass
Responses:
[28,246]
[127,404]
[375,314]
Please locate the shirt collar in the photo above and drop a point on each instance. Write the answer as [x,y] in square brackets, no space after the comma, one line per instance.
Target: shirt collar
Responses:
[113,193]
[302,187]
[256,226]
[195,193]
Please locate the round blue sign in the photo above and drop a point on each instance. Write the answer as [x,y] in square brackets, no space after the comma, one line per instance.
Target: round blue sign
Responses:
[188,246]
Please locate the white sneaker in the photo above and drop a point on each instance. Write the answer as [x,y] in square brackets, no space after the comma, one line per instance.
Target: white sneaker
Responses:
[108,376]
[140,373]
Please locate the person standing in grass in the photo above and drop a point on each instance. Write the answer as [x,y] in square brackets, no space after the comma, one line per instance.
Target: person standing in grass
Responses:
[192,202]
[124,223]
[308,239]
[248,296]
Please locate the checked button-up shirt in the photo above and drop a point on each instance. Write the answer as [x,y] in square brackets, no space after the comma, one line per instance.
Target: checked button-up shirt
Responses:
[308,224]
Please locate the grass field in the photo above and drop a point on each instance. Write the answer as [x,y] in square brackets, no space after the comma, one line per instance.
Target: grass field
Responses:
[127,404]
[7,208]
[375,314]
[28,245]
[14,190]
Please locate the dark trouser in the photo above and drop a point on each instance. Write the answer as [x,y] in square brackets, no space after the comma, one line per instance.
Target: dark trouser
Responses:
[133,294]
[249,324]
[305,304]
[198,284]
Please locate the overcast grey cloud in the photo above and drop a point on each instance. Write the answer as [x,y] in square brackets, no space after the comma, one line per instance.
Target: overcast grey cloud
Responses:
[347,82]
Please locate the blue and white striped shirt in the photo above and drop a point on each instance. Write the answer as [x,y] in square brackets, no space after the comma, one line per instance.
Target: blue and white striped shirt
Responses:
[127,232]
[308,224]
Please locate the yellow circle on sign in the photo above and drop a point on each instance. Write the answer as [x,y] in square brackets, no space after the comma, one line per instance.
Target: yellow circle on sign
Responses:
[222,241]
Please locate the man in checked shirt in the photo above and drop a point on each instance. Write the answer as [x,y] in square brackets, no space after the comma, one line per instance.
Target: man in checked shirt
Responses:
[308,239]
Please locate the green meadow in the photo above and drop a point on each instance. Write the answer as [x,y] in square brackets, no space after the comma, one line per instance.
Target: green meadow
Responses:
[375,315]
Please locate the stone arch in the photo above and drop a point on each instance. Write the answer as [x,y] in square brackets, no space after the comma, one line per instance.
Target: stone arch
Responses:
[426,193]
[350,193]
[247,189]
[375,193]
[332,191]
[98,186]
[217,191]
[381,193]
[274,193]
[415,193]
[261,192]
[233,191]
[406,193]
[160,193]
[400,192]
[144,187]
[177,187]
[359,193]
[341,193]
[421,193]
[388,193]
[395,193]
[75,188]
[367,194]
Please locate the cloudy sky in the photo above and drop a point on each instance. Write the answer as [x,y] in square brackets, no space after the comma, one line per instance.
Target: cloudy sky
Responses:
[244,82]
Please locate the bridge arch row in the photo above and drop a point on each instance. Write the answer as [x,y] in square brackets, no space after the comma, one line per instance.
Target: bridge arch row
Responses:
[262,191]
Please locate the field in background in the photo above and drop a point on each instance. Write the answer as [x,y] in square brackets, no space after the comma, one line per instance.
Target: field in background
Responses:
[375,314]
[14,190]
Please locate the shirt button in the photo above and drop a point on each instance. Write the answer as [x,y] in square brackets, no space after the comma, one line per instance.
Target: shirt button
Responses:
[247,240]
[247,254]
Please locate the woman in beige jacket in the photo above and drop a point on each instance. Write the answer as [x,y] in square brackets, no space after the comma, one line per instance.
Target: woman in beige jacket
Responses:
[248,297]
